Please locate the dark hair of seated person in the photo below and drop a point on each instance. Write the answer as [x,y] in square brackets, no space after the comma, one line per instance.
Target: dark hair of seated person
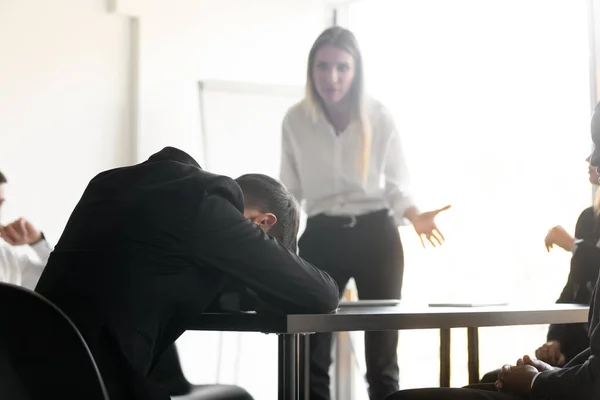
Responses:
[268,195]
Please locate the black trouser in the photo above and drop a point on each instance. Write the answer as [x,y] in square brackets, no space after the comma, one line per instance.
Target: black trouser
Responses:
[371,253]
[473,392]
[168,374]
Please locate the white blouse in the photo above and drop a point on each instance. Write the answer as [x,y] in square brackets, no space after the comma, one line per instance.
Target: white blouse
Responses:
[20,268]
[323,169]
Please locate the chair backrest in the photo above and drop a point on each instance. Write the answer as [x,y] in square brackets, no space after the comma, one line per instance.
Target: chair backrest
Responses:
[42,354]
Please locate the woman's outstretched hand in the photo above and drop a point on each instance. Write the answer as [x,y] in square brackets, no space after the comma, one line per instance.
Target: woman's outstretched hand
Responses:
[425,227]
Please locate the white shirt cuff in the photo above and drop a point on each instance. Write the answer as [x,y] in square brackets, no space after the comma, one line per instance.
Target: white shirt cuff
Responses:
[575,244]
[400,208]
[43,250]
[534,378]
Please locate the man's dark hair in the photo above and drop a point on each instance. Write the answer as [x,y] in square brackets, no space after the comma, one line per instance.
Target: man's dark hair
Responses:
[268,195]
[2,178]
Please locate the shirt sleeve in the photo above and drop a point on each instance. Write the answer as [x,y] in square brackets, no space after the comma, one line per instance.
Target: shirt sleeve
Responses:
[21,268]
[34,268]
[289,172]
[397,179]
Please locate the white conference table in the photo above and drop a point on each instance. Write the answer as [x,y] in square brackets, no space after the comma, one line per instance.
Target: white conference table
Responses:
[293,330]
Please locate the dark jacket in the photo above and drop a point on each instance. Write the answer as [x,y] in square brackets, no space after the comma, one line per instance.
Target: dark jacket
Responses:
[149,247]
[583,274]
[580,378]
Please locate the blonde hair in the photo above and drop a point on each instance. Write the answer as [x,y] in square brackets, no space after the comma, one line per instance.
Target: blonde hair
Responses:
[343,39]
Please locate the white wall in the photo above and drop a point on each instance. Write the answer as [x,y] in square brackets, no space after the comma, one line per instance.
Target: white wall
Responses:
[186,41]
[64,69]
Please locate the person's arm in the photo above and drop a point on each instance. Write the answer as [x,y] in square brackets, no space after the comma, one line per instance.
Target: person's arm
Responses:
[555,332]
[586,262]
[288,171]
[43,249]
[19,268]
[33,270]
[580,379]
[397,180]
[229,242]
[23,232]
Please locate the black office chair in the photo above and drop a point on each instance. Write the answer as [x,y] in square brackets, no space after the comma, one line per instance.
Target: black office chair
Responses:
[42,354]
[215,392]
[168,374]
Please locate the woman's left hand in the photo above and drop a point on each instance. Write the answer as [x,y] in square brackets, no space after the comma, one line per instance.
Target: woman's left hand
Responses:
[424,225]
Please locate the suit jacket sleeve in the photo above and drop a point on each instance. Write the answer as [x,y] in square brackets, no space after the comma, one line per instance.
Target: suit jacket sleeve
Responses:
[586,262]
[580,379]
[239,248]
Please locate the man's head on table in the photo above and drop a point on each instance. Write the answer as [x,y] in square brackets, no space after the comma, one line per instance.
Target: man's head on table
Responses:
[271,206]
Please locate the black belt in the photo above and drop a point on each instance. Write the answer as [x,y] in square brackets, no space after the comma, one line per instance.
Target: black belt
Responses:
[348,221]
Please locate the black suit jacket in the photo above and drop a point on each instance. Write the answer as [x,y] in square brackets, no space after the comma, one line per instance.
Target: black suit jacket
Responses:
[583,274]
[580,378]
[149,247]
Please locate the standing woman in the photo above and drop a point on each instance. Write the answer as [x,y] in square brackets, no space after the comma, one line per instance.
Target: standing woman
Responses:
[341,155]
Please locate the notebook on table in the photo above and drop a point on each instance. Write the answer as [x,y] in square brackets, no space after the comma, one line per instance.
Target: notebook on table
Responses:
[493,304]
[370,303]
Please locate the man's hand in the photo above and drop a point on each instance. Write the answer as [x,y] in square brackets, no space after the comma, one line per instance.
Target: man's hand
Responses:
[20,232]
[551,354]
[560,237]
[537,364]
[424,225]
[516,379]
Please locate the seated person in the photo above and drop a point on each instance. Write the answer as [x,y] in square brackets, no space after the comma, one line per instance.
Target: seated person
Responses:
[149,248]
[263,196]
[565,341]
[20,269]
[17,267]
[533,379]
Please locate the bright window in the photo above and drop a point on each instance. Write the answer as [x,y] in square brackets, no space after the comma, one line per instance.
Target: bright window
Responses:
[492,102]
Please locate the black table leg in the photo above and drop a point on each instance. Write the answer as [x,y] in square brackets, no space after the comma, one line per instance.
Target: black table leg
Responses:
[473,354]
[444,357]
[304,366]
[288,371]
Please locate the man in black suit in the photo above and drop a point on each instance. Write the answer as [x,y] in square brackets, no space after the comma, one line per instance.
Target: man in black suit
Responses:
[271,206]
[148,248]
[533,379]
